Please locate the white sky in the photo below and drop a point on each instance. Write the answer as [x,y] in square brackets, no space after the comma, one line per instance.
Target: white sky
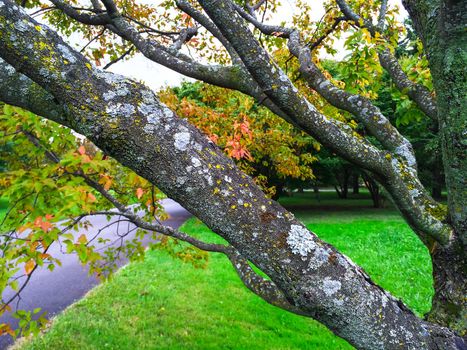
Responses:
[157,76]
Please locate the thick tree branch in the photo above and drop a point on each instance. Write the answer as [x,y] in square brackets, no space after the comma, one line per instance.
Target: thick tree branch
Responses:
[199,17]
[382,15]
[231,77]
[362,108]
[85,18]
[398,177]
[260,286]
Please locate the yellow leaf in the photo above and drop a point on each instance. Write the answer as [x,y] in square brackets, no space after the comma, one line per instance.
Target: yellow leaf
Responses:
[29,266]
[107,184]
[82,239]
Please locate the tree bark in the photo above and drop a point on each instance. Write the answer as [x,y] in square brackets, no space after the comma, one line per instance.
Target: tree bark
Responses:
[448,62]
[441,25]
[437,179]
[449,268]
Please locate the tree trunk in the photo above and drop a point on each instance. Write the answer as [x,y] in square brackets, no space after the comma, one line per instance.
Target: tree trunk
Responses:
[449,302]
[355,184]
[373,188]
[316,191]
[342,187]
[441,25]
[437,184]
[338,191]
[279,192]
[345,184]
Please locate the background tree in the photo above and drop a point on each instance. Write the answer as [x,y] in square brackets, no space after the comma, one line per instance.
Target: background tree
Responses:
[307,276]
[263,145]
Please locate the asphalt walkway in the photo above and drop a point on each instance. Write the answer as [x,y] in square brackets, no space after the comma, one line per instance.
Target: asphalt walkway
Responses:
[54,291]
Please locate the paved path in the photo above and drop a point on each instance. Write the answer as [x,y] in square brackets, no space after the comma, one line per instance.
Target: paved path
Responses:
[54,291]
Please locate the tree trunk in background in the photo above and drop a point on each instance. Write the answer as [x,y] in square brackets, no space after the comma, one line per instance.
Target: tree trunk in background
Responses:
[279,192]
[373,188]
[316,191]
[355,184]
[342,187]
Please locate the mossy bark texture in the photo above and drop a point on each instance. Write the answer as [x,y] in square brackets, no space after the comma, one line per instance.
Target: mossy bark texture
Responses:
[442,27]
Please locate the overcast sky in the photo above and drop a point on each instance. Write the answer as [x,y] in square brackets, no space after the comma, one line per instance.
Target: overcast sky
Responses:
[157,76]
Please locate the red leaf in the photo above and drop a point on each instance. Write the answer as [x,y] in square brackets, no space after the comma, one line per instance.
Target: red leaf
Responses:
[82,150]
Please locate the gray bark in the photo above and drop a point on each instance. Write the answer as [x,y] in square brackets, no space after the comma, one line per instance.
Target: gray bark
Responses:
[441,25]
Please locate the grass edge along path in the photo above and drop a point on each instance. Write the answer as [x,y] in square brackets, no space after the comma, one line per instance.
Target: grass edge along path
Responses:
[163,303]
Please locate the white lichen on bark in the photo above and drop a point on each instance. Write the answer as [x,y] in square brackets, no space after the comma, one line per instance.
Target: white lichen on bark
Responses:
[181,140]
[330,287]
[300,240]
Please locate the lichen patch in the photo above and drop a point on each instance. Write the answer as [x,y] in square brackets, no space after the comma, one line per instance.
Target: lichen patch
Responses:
[330,287]
[300,240]
[181,140]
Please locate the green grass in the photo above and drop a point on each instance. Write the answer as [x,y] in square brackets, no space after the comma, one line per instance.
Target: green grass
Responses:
[3,207]
[163,303]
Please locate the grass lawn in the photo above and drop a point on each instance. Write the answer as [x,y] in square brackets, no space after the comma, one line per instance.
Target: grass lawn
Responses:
[163,303]
[3,207]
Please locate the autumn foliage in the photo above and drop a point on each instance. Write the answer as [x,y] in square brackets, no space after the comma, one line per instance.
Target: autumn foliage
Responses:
[263,145]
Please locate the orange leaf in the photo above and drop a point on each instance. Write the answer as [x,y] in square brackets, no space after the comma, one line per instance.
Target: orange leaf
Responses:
[82,150]
[82,239]
[91,197]
[29,266]
[38,221]
[139,192]
[46,226]
[5,328]
[107,185]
